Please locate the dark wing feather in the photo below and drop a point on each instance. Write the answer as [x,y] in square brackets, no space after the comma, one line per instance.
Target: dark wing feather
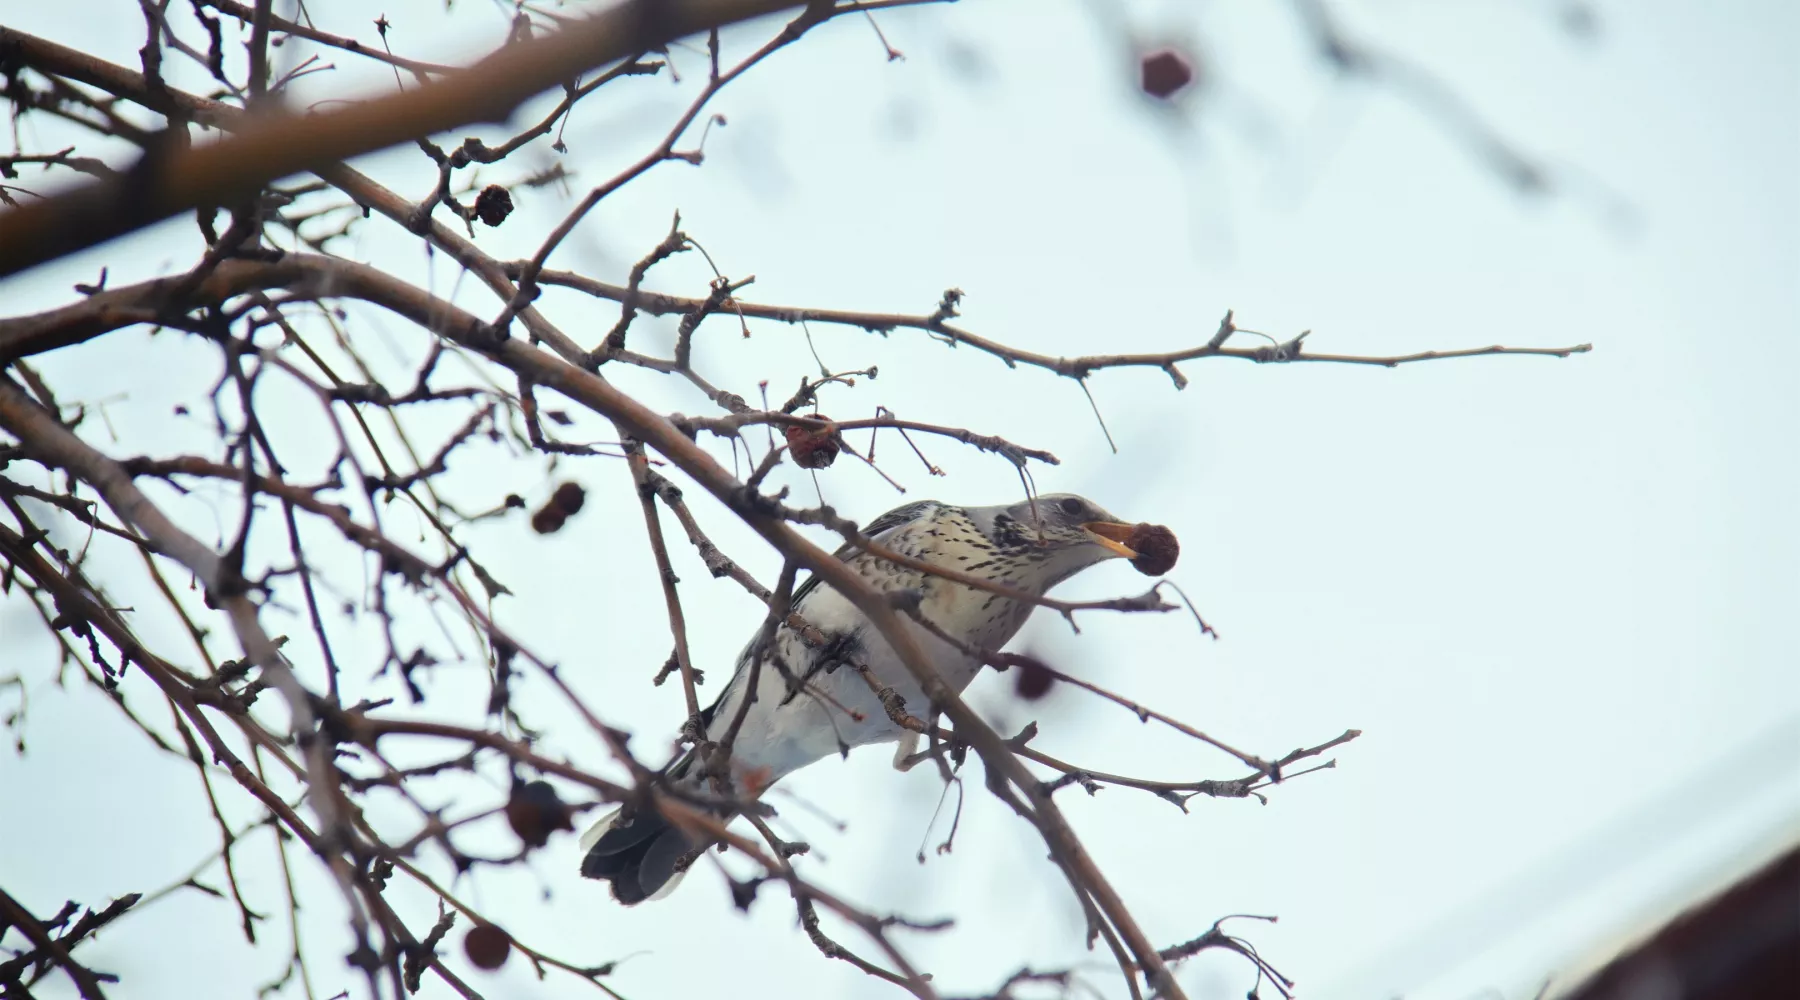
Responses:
[895,518]
[903,514]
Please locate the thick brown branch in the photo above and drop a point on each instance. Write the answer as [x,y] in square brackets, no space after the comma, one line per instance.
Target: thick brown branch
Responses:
[172,181]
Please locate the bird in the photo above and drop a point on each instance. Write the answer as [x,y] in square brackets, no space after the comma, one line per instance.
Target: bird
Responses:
[811,699]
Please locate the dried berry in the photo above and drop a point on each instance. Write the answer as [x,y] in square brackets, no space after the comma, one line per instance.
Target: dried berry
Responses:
[493,205]
[1156,547]
[1033,680]
[535,811]
[547,521]
[1165,72]
[812,447]
[569,498]
[565,503]
[744,893]
[487,946]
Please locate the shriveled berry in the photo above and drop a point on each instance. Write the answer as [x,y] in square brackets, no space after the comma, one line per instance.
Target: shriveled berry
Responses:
[563,504]
[1033,680]
[569,498]
[547,520]
[493,205]
[1156,547]
[535,811]
[812,447]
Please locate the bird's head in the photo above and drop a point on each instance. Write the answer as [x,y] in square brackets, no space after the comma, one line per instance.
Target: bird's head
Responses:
[1063,532]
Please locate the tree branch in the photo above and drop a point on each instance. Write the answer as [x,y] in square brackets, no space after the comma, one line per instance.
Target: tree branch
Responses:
[170,180]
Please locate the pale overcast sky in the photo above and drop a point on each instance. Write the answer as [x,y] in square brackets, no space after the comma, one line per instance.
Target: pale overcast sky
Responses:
[1557,596]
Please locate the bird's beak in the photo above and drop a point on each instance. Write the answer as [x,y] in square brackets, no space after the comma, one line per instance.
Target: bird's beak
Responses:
[1112,536]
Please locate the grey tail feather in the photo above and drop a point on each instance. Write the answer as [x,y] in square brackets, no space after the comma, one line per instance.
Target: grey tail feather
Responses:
[640,855]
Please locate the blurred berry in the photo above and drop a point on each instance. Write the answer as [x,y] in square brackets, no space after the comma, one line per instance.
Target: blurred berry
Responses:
[568,500]
[1033,680]
[547,521]
[535,811]
[487,946]
[1165,72]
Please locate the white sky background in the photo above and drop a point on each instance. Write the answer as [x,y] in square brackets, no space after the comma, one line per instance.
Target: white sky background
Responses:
[1556,595]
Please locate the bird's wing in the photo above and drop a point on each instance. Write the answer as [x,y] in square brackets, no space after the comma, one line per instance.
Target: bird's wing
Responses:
[876,530]
[901,515]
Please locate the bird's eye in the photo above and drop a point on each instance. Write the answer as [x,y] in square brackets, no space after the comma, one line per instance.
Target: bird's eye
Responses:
[1072,506]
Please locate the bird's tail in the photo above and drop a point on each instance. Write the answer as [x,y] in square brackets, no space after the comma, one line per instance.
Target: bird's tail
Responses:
[643,855]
